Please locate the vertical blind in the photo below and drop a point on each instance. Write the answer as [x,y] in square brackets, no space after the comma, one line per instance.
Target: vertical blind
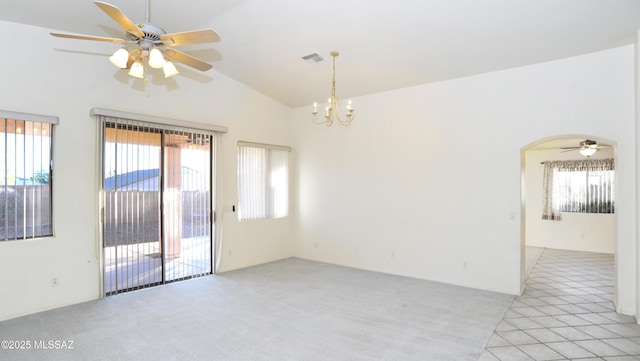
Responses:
[25,175]
[131,199]
[578,186]
[157,185]
[263,181]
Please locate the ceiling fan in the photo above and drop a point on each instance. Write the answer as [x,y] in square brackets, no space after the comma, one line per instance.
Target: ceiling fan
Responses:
[586,147]
[149,42]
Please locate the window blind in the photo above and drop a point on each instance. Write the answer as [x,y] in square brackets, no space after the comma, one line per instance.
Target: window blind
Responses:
[25,175]
[263,181]
[157,202]
[578,186]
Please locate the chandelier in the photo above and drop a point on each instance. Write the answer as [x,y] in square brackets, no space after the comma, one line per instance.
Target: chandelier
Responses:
[331,111]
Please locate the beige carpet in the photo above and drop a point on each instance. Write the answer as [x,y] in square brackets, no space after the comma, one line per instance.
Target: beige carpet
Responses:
[288,310]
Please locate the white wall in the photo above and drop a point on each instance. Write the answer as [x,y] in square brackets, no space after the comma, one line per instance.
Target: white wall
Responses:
[426,181]
[587,232]
[67,78]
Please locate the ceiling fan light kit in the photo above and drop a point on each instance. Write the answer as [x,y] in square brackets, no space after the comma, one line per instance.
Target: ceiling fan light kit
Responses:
[588,147]
[588,152]
[137,70]
[156,59]
[149,44]
[120,58]
[169,69]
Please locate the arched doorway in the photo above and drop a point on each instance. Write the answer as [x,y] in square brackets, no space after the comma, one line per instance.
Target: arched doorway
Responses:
[577,231]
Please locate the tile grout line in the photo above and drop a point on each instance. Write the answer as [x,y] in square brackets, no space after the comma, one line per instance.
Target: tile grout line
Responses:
[565,290]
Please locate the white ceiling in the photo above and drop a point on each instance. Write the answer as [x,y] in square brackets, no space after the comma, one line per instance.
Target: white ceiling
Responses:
[384,45]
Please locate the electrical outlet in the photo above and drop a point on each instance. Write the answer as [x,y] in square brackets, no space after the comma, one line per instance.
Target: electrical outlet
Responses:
[229,252]
[393,254]
[315,244]
[55,282]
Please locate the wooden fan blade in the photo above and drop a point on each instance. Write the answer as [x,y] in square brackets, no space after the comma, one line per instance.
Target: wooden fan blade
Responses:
[190,37]
[120,18]
[186,59]
[94,38]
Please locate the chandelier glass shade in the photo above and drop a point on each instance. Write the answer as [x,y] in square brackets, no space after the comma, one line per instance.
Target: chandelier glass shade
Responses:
[331,110]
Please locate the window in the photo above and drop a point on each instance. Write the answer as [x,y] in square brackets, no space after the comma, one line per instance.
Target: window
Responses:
[25,175]
[578,186]
[263,181]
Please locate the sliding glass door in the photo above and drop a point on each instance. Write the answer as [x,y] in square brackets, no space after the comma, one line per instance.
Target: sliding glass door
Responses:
[157,190]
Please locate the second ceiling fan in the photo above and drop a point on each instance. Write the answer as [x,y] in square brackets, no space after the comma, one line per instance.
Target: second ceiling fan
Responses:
[586,147]
[150,43]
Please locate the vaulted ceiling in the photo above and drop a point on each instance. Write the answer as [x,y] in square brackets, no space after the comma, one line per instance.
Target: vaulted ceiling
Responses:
[383,45]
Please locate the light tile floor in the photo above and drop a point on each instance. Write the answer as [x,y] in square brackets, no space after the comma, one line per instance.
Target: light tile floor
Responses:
[566,313]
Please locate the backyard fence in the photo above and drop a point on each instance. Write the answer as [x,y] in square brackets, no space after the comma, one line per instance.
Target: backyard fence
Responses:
[134,216]
[25,211]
